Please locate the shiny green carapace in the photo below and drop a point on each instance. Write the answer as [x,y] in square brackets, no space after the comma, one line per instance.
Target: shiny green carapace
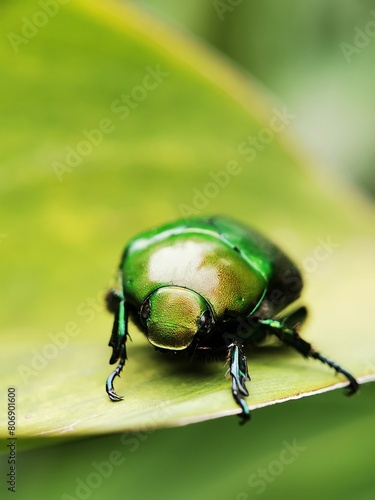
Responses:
[190,286]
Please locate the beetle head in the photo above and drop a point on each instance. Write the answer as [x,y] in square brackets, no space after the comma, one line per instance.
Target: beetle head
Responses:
[173,315]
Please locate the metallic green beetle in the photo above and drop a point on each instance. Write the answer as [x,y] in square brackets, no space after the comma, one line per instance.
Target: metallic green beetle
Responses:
[190,285]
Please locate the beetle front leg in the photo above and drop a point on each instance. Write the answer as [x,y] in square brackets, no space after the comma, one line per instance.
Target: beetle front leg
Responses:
[289,336]
[240,375]
[116,304]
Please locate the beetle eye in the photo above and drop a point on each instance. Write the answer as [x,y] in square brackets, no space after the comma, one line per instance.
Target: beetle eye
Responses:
[205,322]
[145,311]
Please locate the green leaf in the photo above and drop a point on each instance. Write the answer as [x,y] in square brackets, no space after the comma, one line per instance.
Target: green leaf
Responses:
[114,124]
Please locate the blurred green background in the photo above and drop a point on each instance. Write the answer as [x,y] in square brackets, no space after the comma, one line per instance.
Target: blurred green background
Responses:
[316,56]
[66,78]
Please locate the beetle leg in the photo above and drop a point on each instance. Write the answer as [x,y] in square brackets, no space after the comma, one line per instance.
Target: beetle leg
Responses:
[353,384]
[113,396]
[116,304]
[240,375]
[295,318]
[290,337]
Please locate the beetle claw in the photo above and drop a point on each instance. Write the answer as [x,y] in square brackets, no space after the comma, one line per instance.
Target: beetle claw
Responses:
[352,387]
[245,416]
[113,396]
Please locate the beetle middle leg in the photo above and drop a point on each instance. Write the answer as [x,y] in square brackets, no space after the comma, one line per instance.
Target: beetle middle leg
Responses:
[116,304]
[240,375]
[289,336]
